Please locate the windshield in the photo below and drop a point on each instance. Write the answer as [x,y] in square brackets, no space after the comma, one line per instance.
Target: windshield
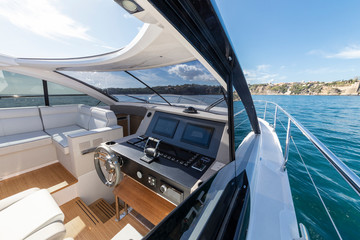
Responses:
[181,84]
[66,28]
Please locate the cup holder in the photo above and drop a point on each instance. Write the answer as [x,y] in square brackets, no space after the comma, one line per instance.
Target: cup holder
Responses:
[110,143]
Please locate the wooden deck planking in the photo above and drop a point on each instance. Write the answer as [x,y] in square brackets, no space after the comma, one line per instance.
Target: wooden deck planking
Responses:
[95,228]
[45,177]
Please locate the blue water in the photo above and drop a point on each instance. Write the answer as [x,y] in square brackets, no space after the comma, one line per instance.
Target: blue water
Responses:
[334,120]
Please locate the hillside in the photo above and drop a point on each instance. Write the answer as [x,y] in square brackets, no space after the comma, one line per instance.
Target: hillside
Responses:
[345,87]
[187,89]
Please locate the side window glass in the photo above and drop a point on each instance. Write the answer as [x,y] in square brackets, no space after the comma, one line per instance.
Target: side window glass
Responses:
[17,90]
[59,95]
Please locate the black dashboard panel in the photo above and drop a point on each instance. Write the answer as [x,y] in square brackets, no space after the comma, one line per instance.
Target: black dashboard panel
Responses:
[187,147]
[184,122]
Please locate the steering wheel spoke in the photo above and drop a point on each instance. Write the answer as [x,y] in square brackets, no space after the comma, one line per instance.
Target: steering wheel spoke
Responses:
[107,162]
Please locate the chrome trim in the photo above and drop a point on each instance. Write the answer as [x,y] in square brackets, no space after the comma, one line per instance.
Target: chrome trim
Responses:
[304,233]
[351,178]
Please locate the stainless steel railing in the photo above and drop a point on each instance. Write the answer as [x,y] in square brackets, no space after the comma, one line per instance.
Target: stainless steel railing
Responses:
[351,178]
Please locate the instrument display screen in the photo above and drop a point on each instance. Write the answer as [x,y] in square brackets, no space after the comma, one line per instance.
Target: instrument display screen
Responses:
[197,135]
[165,127]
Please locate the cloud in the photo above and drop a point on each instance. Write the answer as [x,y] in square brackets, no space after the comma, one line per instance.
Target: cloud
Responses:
[327,70]
[350,52]
[105,79]
[316,52]
[191,73]
[262,74]
[128,16]
[43,18]
[263,67]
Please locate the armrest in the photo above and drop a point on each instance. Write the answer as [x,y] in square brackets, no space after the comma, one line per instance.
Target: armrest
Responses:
[6,202]
[94,131]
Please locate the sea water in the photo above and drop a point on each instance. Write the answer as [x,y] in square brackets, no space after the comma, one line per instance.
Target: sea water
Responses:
[335,121]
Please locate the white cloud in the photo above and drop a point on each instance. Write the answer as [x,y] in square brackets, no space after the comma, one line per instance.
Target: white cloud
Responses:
[263,67]
[327,70]
[316,52]
[350,52]
[128,16]
[262,74]
[43,18]
[104,79]
[191,73]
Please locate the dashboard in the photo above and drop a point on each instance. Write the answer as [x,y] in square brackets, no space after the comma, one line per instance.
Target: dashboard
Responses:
[172,155]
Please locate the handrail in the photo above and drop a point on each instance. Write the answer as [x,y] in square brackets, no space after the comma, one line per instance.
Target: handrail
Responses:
[351,178]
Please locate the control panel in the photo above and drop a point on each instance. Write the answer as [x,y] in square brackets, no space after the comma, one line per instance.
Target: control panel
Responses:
[173,153]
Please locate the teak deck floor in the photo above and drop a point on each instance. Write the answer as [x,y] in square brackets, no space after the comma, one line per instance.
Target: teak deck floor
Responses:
[42,178]
[95,228]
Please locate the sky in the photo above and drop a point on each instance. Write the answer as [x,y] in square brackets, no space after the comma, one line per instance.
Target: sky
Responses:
[275,41]
[288,41]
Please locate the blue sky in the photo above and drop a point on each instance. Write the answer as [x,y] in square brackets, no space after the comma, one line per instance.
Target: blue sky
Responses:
[275,41]
[286,40]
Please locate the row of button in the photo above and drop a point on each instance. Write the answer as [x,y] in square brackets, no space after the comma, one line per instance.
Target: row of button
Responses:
[185,163]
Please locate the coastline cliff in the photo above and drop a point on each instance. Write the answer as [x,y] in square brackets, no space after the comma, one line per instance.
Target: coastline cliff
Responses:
[345,87]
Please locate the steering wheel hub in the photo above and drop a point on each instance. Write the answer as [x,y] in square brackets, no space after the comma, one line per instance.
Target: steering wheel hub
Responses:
[107,165]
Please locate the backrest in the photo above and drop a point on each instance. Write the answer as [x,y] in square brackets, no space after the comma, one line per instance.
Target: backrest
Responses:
[19,120]
[59,116]
[83,116]
[101,118]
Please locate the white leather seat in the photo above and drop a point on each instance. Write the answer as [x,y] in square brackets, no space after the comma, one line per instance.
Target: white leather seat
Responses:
[23,141]
[101,118]
[21,129]
[64,120]
[31,214]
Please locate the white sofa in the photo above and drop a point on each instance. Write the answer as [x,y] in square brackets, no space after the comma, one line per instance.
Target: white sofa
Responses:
[35,136]
[62,121]
[21,129]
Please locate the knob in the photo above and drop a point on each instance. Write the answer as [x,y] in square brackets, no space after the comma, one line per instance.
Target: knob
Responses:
[139,174]
[163,188]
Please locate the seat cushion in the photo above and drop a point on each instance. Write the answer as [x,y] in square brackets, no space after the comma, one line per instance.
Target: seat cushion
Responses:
[7,202]
[29,215]
[101,118]
[83,116]
[19,120]
[23,141]
[59,135]
[59,116]
[127,233]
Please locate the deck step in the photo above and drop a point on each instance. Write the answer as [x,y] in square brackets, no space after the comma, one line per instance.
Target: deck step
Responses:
[103,210]
[88,212]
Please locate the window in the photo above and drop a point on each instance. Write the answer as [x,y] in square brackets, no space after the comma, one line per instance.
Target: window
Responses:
[17,90]
[59,95]
[183,84]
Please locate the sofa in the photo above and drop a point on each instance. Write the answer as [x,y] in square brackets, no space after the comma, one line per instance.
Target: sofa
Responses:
[21,129]
[31,137]
[63,121]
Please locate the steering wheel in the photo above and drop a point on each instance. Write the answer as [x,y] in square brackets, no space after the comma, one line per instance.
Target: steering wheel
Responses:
[107,165]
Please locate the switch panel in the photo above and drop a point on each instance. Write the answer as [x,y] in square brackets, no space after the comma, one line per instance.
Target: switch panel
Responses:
[152,181]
